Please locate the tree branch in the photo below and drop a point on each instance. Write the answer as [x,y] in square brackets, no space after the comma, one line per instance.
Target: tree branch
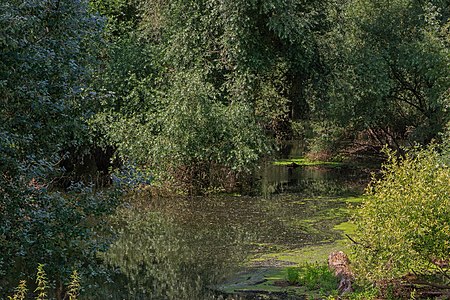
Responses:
[357,243]
[435,285]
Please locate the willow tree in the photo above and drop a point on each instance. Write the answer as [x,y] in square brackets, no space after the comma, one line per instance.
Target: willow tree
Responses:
[230,74]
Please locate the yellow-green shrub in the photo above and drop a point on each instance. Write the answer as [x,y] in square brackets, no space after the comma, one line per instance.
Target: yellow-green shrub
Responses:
[404,225]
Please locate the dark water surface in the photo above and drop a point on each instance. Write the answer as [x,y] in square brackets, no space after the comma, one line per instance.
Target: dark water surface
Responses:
[180,248]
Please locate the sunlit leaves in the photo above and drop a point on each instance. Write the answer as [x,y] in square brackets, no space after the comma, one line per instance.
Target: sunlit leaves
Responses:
[404,225]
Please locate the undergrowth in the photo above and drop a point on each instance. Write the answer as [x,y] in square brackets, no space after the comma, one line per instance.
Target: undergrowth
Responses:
[313,277]
[41,291]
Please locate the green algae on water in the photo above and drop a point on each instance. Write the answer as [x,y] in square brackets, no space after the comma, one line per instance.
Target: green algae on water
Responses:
[302,161]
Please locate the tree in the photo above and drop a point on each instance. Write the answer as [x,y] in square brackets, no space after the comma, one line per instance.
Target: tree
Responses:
[228,75]
[47,57]
[390,69]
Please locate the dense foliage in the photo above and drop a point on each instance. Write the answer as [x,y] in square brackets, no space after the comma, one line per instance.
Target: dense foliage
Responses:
[405,225]
[197,93]
[223,77]
[390,69]
[193,86]
[47,55]
[44,68]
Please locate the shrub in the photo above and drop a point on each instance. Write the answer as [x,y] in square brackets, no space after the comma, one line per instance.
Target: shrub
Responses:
[313,277]
[293,275]
[66,230]
[49,51]
[405,225]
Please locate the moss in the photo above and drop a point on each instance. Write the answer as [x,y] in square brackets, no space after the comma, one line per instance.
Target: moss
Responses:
[306,162]
[356,200]
[346,227]
[309,254]
[333,224]
[325,221]
[275,282]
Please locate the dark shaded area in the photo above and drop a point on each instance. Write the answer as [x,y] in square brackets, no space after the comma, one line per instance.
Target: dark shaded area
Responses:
[91,165]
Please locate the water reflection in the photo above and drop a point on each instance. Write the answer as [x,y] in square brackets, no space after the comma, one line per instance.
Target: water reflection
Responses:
[156,257]
[180,248]
[312,181]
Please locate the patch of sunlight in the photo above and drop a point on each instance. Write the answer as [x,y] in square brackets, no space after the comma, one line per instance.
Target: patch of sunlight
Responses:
[346,227]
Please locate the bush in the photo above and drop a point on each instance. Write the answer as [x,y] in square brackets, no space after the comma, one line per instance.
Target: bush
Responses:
[405,225]
[326,140]
[64,230]
[49,52]
[313,277]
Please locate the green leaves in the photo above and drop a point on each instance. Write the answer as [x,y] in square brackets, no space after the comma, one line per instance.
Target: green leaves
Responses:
[392,69]
[42,286]
[73,289]
[404,225]
[217,79]
[49,51]
[44,65]
[42,283]
[20,291]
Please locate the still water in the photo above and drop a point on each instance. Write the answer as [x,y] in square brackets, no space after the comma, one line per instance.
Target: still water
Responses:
[182,248]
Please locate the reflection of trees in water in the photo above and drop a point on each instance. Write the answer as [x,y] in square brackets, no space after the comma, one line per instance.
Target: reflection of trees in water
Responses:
[176,248]
[159,259]
[310,181]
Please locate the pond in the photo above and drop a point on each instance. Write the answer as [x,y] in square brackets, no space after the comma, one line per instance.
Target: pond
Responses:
[203,247]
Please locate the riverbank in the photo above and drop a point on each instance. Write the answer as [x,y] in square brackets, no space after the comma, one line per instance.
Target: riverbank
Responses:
[266,274]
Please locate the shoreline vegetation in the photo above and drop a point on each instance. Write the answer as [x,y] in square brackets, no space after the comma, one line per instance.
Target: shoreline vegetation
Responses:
[301,161]
[302,273]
